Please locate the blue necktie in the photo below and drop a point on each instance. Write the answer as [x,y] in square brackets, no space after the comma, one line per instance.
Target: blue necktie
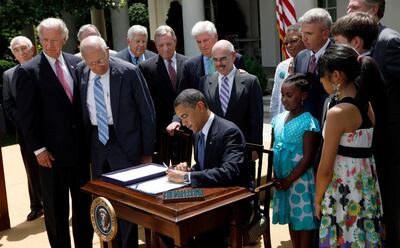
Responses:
[200,150]
[224,94]
[210,66]
[101,111]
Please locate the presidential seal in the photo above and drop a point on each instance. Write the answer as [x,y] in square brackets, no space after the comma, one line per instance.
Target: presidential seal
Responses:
[104,219]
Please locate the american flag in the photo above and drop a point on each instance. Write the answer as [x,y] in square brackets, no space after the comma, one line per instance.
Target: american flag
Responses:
[285,16]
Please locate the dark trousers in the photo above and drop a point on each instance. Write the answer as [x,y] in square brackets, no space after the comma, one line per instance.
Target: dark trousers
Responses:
[57,183]
[32,173]
[107,158]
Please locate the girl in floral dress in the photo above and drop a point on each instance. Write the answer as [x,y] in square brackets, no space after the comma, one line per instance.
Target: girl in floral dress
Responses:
[295,133]
[348,198]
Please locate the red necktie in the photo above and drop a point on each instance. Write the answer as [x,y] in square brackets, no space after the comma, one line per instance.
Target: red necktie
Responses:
[172,74]
[312,64]
[63,81]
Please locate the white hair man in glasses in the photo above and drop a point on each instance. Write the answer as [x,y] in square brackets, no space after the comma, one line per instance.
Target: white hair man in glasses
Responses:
[118,114]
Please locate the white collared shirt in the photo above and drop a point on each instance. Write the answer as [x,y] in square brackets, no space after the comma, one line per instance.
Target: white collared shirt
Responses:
[320,51]
[231,78]
[91,104]
[207,126]
[64,67]
[141,58]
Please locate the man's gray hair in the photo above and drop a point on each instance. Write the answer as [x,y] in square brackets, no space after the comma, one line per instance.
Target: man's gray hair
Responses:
[225,44]
[164,30]
[53,23]
[84,28]
[294,27]
[23,39]
[317,15]
[381,5]
[93,42]
[204,27]
[136,29]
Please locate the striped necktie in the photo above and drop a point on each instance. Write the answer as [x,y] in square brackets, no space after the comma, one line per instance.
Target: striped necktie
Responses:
[312,64]
[224,94]
[101,111]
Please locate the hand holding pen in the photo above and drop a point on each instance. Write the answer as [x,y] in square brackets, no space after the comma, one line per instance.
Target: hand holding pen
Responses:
[183,166]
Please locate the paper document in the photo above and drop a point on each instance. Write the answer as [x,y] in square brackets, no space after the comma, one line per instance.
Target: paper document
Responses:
[155,186]
[137,172]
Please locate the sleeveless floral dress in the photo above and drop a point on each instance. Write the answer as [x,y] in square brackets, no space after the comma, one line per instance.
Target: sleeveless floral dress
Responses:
[351,207]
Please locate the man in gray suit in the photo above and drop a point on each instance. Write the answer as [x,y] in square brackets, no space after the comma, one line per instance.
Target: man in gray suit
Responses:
[315,26]
[232,95]
[118,114]
[23,51]
[386,52]
[136,51]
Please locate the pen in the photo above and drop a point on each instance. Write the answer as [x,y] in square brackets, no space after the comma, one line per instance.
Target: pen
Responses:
[166,166]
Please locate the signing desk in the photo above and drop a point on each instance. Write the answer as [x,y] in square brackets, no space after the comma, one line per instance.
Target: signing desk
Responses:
[179,221]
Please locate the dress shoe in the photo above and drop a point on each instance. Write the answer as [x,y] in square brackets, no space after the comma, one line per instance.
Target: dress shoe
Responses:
[34,214]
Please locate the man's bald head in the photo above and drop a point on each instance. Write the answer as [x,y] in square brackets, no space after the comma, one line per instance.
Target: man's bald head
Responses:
[94,51]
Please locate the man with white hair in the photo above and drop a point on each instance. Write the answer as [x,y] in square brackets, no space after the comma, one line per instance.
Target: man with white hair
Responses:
[86,31]
[136,51]
[197,68]
[49,115]
[23,51]
[122,131]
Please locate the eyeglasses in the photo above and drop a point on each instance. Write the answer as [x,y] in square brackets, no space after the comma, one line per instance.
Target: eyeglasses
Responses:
[100,62]
[221,60]
[290,42]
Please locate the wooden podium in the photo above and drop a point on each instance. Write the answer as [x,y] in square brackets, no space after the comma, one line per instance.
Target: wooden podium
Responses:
[182,220]
[4,218]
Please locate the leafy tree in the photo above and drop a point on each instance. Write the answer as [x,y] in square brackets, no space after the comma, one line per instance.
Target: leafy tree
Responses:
[139,14]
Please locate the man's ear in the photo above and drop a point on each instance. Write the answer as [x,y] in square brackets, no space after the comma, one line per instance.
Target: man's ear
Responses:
[374,10]
[357,43]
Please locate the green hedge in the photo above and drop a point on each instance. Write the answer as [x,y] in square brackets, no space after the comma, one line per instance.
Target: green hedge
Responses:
[253,67]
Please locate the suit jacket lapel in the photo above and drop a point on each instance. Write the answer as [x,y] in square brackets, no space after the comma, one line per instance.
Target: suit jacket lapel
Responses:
[163,72]
[213,91]
[236,92]
[83,89]
[211,136]
[115,88]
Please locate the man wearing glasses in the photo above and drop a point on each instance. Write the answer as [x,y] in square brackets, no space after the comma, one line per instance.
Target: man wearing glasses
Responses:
[118,114]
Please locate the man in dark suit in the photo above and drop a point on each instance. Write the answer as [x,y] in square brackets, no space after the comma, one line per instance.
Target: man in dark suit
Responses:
[136,51]
[163,73]
[219,153]
[129,116]
[315,26]
[23,51]
[197,68]
[50,118]
[86,31]
[386,52]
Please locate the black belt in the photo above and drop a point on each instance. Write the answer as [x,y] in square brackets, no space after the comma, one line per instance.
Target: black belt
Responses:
[355,152]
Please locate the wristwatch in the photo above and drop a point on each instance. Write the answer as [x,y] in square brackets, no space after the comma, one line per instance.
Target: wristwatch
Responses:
[186,178]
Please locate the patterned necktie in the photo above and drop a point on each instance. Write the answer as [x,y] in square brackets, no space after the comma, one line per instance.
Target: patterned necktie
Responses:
[312,64]
[200,150]
[224,94]
[210,66]
[136,60]
[63,81]
[172,74]
[101,111]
